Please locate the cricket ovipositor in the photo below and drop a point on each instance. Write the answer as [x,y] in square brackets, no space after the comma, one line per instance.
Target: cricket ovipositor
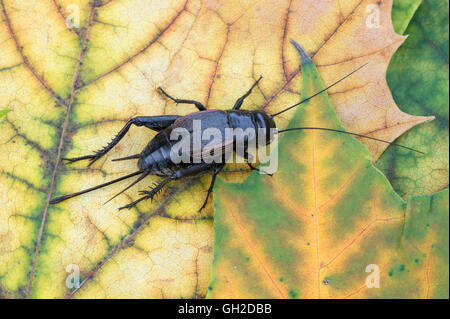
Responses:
[155,159]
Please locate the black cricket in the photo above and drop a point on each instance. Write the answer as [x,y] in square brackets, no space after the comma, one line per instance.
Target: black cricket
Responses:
[155,158]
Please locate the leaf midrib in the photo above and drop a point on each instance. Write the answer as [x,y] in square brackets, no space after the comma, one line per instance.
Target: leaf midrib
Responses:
[69,105]
[288,81]
[60,145]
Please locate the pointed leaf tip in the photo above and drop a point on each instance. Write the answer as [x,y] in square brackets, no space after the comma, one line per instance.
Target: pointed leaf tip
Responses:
[304,57]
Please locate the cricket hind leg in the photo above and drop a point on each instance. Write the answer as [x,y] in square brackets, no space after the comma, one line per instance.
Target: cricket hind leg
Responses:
[197,104]
[240,100]
[154,190]
[192,170]
[156,123]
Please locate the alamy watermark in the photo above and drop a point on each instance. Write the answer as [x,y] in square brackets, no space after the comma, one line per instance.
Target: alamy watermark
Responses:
[217,145]
[373,280]
[73,16]
[373,20]
[73,277]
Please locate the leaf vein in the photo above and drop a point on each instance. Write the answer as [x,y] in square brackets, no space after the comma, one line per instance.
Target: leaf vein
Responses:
[25,60]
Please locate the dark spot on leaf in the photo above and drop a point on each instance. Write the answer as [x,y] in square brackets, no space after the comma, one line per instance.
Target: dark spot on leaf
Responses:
[293,294]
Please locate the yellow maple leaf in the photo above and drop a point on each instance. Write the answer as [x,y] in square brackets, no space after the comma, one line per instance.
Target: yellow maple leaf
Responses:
[72,89]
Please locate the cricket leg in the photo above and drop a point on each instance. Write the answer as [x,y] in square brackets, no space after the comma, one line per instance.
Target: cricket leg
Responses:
[240,100]
[249,159]
[156,123]
[192,170]
[197,104]
[211,186]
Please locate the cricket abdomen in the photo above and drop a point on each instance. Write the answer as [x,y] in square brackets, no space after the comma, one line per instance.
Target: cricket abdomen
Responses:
[156,155]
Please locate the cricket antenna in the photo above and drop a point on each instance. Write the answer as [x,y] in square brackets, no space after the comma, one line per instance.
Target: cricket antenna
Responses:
[354,134]
[309,98]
